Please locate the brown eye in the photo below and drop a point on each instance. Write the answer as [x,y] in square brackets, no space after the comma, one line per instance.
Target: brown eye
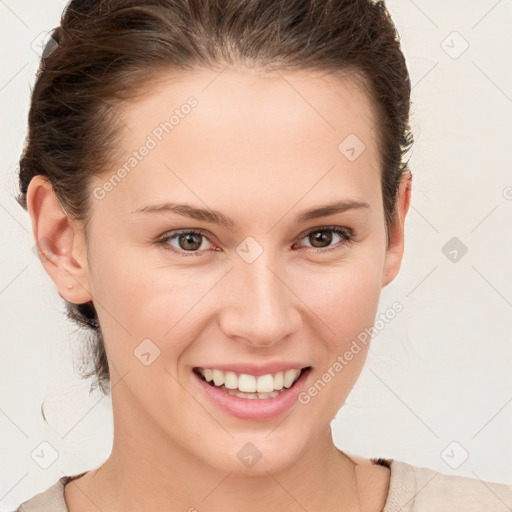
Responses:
[318,238]
[322,238]
[187,242]
[190,241]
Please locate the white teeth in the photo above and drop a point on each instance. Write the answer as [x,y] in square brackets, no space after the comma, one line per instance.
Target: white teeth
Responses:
[252,395]
[247,383]
[278,381]
[265,383]
[231,381]
[218,377]
[262,386]
[289,377]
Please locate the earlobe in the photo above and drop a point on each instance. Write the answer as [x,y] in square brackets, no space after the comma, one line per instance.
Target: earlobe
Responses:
[395,249]
[57,245]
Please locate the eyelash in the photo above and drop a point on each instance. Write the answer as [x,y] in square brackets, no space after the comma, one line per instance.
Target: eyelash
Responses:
[345,233]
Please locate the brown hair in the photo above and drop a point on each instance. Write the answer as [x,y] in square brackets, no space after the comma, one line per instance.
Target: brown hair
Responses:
[110,51]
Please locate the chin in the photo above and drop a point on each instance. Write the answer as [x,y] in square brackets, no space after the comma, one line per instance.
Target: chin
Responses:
[259,454]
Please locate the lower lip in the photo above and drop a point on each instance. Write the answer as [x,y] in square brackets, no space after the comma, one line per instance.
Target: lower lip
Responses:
[254,409]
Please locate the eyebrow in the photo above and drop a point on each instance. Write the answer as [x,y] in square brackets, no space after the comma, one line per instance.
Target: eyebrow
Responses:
[216,217]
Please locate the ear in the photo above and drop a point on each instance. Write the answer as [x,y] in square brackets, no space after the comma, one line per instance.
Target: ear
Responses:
[395,249]
[60,244]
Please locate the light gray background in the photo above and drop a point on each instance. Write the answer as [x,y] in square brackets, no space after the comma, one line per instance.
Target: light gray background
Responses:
[437,385]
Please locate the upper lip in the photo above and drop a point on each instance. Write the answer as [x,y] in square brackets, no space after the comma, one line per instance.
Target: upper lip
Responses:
[255,369]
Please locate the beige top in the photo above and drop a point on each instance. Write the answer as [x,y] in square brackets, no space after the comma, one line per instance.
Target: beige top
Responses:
[411,489]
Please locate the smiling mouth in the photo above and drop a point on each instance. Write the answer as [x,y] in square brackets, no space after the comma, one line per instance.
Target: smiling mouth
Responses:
[251,386]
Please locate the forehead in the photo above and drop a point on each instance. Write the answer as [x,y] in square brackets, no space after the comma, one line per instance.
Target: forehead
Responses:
[314,101]
[251,132]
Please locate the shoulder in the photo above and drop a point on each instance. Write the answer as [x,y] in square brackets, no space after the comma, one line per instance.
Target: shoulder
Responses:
[420,489]
[372,483]
[50,499]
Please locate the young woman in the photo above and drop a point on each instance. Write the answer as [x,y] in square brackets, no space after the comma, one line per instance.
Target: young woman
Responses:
[218,190]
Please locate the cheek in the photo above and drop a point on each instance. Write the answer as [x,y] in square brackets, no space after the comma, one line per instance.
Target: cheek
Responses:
[344,299]
[138,301]
[345,305]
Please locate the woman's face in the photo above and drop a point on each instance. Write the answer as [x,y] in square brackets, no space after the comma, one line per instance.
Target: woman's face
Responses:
[266,290]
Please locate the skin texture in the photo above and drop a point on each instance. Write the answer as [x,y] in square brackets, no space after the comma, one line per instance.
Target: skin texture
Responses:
[260,149]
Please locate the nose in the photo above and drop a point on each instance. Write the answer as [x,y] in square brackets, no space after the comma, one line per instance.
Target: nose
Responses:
[260,308]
